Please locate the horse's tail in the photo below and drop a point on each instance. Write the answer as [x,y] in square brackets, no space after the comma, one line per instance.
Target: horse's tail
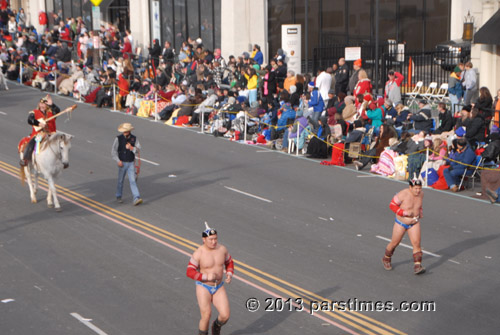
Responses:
[22,173]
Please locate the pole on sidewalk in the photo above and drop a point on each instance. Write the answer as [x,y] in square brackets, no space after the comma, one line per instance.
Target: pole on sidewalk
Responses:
[202,123]
[156,106]
[426,165]
[246,126]
[21,72]
[114,98]
[297,139]
[55,81]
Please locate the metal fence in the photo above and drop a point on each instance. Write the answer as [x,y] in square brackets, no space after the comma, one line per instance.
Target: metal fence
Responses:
[428,66]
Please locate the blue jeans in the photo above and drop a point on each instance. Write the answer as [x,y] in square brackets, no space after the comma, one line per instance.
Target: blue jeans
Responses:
[314,117]
[252,96]
[452,177]
[129,169]
[454,101]
[498,194]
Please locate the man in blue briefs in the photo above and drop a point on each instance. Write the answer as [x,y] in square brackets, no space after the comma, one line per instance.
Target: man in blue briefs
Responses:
[206,267]
[407,205]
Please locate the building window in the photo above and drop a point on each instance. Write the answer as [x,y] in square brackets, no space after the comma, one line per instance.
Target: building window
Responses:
[207,23]
[167,21]
[180,22]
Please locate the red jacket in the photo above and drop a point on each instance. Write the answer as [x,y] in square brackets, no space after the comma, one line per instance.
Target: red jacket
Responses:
[51,125]
[363,86]
[127,49]
[123,85]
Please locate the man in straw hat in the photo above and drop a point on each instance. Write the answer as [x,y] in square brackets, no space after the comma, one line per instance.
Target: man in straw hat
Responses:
[36,118]
[123,152]
[206,267]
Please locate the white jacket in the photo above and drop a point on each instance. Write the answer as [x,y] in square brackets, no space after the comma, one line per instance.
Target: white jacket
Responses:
[324,84]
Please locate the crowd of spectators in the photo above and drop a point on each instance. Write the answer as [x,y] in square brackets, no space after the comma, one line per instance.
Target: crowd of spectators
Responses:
[333,113]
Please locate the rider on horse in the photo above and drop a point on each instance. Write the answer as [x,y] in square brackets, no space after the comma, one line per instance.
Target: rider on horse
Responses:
[36,118]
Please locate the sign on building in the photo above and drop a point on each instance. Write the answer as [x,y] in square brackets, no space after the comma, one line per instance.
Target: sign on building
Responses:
[96,18]
[291,43]
[352,53]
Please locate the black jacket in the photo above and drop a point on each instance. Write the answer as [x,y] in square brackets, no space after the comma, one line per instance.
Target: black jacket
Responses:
[422,120]
[445,122]
[342,78]
[475,130]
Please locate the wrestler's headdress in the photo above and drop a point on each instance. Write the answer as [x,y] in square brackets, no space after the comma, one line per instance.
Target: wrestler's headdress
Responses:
[415,182]
[208,231]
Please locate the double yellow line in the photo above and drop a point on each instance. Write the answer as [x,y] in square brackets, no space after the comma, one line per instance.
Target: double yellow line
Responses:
[357,321]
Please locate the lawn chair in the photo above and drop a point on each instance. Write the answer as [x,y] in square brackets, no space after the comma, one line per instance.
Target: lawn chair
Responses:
[441,93]
[430,93]
[413,95]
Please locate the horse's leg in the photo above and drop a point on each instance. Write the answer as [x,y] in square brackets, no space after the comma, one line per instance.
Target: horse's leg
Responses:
[53,194]
[27,171]
[35,185]
[50,202]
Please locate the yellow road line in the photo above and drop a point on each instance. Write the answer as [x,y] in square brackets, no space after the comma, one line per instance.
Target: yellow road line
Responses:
[354,316]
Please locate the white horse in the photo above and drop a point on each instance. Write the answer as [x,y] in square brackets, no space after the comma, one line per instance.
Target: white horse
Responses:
[52,158]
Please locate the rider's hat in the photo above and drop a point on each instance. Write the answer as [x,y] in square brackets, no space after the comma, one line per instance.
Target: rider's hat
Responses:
[125,127]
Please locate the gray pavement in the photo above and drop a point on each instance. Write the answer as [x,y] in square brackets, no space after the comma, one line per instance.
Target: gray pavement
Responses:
[299,230]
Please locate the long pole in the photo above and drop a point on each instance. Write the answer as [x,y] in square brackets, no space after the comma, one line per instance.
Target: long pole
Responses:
[246,122]
[297,138]
[156,106]
[114,98]
[21,72]
[426,165]
[202,123]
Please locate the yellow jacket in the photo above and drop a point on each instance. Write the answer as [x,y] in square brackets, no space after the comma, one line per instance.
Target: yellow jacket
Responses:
[251,82]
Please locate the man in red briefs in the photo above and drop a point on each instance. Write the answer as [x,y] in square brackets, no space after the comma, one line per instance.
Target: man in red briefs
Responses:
[407,205]
[206,267]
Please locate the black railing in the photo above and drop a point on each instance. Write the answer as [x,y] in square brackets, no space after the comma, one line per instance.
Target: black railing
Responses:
[429,66]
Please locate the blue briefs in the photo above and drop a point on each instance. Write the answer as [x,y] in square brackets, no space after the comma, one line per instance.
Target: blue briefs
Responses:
[210,288]
[404,225]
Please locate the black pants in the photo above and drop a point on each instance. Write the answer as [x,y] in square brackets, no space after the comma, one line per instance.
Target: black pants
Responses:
[28,151]
[102,98]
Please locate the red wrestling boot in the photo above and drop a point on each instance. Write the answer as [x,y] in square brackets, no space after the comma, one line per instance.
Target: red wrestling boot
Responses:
[386,260]
[417,263]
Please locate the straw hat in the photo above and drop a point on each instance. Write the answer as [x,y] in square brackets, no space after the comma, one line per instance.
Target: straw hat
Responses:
[125,127]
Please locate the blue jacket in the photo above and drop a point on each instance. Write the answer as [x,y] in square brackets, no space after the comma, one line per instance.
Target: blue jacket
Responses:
[287,113]
[258,58]
[466,157]
[316,102]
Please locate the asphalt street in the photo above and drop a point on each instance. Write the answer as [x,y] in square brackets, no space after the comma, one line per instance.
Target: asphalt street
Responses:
[297,230]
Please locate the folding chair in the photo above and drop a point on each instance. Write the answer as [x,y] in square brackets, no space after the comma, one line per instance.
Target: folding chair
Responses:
[430,92]
[441,93]
[413,95]
[471,173]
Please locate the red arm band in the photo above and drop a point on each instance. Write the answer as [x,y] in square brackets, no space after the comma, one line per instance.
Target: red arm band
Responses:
[229,264]
[192,271]
[394,206]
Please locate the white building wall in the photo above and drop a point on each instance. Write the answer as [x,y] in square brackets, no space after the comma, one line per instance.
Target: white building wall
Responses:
[244,23]
[485,57]
[139,24]
[32,9]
